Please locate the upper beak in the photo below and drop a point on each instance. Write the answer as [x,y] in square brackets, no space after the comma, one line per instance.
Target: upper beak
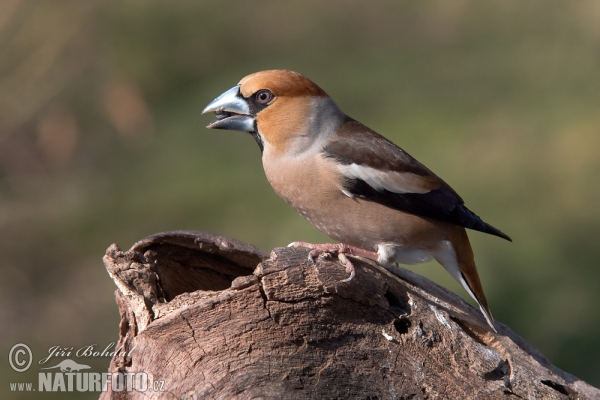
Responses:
[232,112]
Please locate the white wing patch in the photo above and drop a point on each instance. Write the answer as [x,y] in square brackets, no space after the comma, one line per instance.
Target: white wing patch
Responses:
[395,182]
[347,193]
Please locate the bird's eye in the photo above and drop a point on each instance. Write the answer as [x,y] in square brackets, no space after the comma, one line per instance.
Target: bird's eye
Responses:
[264,96]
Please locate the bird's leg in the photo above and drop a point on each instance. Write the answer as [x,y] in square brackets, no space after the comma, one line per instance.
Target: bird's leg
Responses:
[341,249]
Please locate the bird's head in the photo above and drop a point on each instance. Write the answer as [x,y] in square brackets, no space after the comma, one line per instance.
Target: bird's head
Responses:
[279,108]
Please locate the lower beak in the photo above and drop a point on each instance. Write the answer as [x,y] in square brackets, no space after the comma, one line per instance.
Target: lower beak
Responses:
[232,112]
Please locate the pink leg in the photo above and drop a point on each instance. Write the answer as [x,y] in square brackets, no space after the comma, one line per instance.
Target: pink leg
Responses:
[341,249]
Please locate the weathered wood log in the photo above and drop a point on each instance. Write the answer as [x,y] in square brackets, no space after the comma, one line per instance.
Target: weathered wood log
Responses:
[210,317]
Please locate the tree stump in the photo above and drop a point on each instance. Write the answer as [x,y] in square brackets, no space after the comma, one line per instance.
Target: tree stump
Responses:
[210,317]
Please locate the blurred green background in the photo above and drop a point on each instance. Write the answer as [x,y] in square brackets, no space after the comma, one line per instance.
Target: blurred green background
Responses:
[101,141]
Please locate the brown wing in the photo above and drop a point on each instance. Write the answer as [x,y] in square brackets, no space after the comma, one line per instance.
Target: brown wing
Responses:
[377,170]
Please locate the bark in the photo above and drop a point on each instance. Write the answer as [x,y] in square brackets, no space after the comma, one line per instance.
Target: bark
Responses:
[206,316]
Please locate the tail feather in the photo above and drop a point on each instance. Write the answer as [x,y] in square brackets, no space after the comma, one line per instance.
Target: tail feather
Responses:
[482,302]
[457,258]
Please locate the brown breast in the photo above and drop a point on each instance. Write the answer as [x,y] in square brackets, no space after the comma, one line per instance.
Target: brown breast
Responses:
[312,186]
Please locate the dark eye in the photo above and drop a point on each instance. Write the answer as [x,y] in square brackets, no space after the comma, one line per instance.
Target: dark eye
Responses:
[264,96]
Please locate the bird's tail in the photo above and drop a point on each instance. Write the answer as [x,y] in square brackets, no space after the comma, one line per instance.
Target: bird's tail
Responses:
[461,264]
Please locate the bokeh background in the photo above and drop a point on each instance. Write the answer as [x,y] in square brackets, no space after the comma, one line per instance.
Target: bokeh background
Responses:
[102,141]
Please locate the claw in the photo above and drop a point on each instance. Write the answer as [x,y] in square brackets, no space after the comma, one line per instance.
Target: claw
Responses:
[326,250]
[312,256]
[349,267]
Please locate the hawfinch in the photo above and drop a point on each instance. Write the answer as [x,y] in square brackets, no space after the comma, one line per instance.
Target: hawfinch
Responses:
[350,182]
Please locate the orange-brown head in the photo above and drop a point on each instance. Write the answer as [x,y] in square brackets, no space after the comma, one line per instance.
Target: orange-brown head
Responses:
[281,83]
[280,108]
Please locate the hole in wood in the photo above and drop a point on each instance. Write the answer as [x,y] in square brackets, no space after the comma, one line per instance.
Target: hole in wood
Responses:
[402,325]
[181,269]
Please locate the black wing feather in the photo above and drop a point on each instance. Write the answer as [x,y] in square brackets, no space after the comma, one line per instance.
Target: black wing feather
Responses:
[441,204]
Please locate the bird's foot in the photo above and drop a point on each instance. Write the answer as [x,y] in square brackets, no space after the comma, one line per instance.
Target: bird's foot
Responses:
[341,249]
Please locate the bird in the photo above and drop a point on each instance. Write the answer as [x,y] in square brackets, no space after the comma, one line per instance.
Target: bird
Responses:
[351,183]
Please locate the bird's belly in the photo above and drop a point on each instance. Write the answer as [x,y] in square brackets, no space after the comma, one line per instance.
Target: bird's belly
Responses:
[369,225]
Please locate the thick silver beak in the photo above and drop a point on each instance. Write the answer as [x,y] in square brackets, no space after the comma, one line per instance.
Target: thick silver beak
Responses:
[232,112]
